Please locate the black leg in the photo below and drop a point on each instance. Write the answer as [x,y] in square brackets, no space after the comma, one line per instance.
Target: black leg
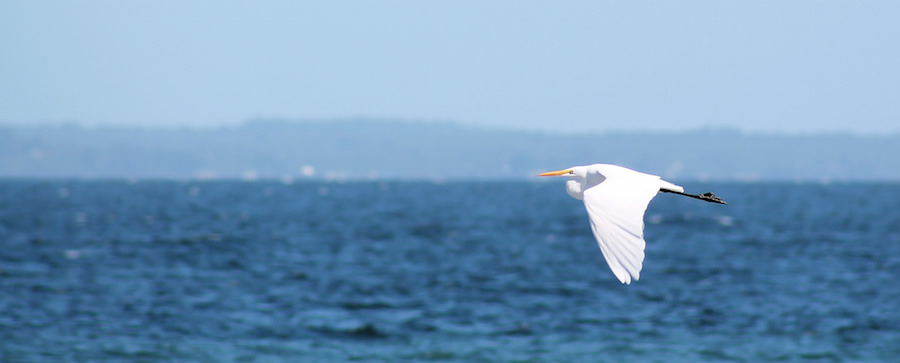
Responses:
[709,197]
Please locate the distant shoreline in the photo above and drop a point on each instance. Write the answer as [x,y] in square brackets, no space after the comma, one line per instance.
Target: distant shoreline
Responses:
[379,149]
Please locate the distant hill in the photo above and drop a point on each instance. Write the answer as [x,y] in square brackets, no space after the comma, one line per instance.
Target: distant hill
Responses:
[392,149]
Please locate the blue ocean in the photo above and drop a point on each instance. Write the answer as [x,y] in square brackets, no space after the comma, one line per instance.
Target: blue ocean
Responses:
[493,271]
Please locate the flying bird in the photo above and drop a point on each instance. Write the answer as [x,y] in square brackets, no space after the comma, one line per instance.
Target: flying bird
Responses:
[616,199]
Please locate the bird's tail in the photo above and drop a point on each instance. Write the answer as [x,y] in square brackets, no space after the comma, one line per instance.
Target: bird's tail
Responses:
[669,187]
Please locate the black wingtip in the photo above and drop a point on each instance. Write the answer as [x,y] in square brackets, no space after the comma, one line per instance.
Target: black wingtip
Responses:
[712,198]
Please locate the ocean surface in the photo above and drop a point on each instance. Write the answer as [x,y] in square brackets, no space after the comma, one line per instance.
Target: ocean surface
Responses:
[230,271]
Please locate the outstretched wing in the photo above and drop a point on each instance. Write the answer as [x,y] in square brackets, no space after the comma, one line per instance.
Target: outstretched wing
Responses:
[616,208]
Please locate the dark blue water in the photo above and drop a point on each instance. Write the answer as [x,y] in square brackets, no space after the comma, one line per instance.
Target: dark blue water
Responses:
[404,271]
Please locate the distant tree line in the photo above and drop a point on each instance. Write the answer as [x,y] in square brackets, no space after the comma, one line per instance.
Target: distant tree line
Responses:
[368,148]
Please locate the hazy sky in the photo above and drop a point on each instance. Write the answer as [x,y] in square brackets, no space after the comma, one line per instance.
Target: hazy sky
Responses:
[792,66]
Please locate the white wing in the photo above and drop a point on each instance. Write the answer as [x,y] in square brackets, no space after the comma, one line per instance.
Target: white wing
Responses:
[616,208]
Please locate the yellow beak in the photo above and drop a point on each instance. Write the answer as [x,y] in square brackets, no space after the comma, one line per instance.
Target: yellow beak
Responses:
[556,173]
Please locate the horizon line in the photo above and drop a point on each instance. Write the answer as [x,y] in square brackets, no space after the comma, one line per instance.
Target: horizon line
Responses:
[709,128]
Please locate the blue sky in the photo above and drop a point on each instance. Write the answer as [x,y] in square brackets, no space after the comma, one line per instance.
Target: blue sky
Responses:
[786,66]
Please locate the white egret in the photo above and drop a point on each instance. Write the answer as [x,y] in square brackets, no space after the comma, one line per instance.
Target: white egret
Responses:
[616,199]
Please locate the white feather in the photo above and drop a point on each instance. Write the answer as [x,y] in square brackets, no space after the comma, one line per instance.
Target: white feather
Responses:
[616,199]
